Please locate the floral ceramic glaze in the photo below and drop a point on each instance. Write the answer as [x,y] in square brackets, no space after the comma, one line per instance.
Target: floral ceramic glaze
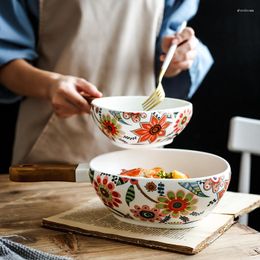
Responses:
[163,203]
[124,122]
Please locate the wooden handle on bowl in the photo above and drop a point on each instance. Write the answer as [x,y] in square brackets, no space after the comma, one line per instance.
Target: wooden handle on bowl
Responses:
[42,172]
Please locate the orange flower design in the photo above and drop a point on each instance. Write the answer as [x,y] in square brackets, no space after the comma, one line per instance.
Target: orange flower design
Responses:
[106,192]
[110,127]
[150,131]
[182,121]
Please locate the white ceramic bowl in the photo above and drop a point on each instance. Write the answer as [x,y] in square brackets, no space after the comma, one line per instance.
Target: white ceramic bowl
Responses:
[161,203]
[123,121]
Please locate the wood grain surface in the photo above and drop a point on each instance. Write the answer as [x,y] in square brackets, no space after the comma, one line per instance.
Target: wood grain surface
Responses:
[23,205]
[42,172]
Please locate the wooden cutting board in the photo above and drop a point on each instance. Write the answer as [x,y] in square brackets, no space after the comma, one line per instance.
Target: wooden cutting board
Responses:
[93,219]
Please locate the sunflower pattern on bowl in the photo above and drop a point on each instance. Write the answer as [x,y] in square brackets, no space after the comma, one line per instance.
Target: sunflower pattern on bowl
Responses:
[157,203]
[134,130]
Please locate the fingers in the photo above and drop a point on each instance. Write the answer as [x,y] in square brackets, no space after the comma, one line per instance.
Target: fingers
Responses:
[183,55]
[182,60]
[185,52]
[72,96]
[177,67]
[67,102]
[188,45]
[62,108]
[87,89]
[178,38]
[166,43]
[68,95]
[185,35]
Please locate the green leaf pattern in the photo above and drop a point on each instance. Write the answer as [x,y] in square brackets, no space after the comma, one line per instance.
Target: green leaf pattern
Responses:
[193,187]
[130,194]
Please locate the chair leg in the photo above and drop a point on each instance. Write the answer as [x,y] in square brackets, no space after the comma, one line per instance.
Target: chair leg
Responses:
[244,174]
[244,180]
[243,219]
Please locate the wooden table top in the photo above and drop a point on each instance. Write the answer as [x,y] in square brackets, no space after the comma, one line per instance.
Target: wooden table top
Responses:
[23,205]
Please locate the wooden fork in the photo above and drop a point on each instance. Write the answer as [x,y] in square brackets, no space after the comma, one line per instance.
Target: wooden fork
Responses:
[158,95]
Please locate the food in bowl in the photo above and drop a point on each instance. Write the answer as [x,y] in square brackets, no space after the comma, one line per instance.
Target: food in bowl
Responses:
[156,172]
[160,202]
[123,120]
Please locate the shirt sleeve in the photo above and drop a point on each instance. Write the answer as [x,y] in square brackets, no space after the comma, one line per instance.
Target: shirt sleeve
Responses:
[17,35]
[18,23]
[186,83]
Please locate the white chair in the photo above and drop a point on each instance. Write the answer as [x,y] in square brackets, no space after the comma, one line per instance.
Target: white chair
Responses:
[244,137]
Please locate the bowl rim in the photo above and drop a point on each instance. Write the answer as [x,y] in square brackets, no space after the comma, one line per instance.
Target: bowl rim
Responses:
[191,179]
[185,104]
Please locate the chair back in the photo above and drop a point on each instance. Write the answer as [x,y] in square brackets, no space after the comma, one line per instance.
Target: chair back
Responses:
[244,137]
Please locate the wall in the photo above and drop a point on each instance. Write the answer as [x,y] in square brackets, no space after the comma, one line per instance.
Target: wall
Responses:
[232,87]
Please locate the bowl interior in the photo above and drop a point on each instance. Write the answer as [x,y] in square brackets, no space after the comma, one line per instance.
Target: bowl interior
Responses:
[134,103]
[194,163]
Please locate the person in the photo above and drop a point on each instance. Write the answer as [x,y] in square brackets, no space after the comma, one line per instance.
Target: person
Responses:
[53,54]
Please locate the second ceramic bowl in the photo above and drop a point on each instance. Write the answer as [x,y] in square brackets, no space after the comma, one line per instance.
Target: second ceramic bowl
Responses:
[127,125]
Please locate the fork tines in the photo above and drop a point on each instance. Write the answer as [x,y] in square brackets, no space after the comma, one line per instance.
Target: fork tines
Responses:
[156,98]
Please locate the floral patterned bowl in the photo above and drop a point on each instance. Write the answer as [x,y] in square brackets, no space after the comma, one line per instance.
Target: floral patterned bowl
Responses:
[123,121]
[161,203]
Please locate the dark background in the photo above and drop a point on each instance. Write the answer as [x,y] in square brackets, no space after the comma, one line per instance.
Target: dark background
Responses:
[8,113]
[232,86]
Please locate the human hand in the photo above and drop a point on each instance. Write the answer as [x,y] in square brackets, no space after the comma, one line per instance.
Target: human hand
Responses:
[67,95]
[184,54]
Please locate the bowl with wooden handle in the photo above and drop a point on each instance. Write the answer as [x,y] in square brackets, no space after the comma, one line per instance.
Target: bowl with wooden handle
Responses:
[152,202]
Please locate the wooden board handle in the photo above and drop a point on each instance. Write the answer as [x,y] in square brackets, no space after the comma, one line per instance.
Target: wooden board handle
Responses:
[42,172]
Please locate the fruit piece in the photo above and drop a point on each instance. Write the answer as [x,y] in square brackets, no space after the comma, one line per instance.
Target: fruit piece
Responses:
[132,173]
[156,172]
[179,175]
